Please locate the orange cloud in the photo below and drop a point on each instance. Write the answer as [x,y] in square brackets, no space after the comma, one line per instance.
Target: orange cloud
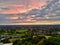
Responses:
[32,23]
[39,23]
[13,18]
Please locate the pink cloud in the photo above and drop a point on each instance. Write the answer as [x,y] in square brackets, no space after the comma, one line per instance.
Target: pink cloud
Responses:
[22,8]
[37,4]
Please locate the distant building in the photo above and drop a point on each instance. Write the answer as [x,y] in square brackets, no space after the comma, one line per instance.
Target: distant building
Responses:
[8,44]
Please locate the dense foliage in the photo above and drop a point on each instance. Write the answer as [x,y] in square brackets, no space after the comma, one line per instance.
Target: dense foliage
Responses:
[25,37]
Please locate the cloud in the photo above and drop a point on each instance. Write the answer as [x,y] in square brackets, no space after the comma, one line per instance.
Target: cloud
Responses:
[20,6]
[30,11]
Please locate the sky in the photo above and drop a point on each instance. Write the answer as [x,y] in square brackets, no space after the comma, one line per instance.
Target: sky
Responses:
[29,12]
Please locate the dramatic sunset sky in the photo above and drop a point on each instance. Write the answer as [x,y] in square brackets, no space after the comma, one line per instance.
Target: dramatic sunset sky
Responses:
[29,12]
